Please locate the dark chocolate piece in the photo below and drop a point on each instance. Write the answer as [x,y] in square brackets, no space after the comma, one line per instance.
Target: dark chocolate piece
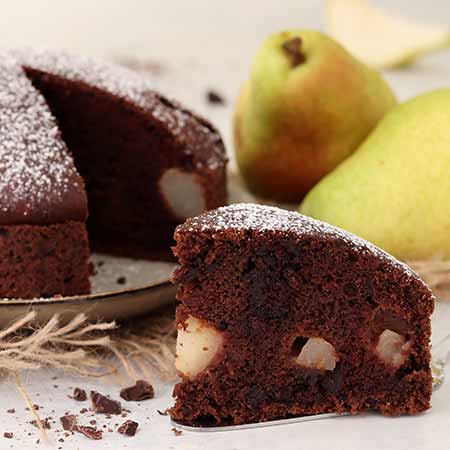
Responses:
[142,390]
[89,432]
[129,428]
[45,423]
[104,405]
[68,422]
[121,280]
[79,395]
[214,97]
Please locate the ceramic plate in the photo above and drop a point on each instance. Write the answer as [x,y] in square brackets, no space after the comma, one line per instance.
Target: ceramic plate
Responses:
[121,288]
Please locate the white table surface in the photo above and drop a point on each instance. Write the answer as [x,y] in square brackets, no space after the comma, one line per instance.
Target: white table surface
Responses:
[212,42]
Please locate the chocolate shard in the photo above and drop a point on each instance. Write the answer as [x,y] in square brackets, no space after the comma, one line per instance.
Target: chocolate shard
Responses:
[104,405]
[69,422]
[89,432]
[142,390]
[45,423]
[79,395]
[121,280]
[128,428]
[214,98]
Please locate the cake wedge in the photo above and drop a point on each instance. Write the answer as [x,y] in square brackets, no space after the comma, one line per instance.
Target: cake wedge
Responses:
[281,315]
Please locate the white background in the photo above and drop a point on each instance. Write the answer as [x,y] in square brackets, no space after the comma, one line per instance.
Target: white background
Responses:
[208,44]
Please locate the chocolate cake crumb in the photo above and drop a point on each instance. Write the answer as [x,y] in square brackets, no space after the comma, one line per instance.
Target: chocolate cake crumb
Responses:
[83,410]
[89,432]
[163,413]
[35,408]
[11,411]
[142,390]
[45,423]
[177,432]
[121,280]
[79,395]
[8,434]
[214,98]
[104,405]
[68,422]
[129,428]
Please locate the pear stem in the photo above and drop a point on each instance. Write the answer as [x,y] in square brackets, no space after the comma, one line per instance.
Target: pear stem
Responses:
[292,48]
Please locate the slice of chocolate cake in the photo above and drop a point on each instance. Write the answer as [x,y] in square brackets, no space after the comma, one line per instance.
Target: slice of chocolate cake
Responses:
[44,247]
[281,315]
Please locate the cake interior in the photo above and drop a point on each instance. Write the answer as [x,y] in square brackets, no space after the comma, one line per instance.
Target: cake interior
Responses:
[307,325]
[64,249]
[120,158]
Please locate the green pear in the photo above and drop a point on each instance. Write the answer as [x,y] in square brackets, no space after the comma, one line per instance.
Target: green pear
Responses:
[395,189]
[307,106]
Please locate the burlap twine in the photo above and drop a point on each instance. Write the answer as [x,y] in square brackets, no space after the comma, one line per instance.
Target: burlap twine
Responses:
[140,348]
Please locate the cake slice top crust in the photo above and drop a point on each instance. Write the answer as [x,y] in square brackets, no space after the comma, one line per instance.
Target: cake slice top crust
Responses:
[39,183]
[244,218]
[193,134]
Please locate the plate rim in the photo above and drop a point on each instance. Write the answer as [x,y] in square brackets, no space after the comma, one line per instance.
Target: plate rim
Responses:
[75,299]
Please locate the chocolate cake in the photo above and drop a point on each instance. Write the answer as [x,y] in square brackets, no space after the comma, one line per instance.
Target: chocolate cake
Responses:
[72,127]
[281,315]
[44,246]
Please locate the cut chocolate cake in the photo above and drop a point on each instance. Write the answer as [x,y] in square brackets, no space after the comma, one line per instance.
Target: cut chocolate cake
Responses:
[146,164]
[44,247]
[281,315]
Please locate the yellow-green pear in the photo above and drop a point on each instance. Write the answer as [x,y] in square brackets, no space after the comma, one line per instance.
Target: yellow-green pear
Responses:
[395,189]
[307,106]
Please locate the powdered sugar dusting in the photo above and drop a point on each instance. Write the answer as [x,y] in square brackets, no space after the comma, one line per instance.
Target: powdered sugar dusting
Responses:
[34,163]
[249,216]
